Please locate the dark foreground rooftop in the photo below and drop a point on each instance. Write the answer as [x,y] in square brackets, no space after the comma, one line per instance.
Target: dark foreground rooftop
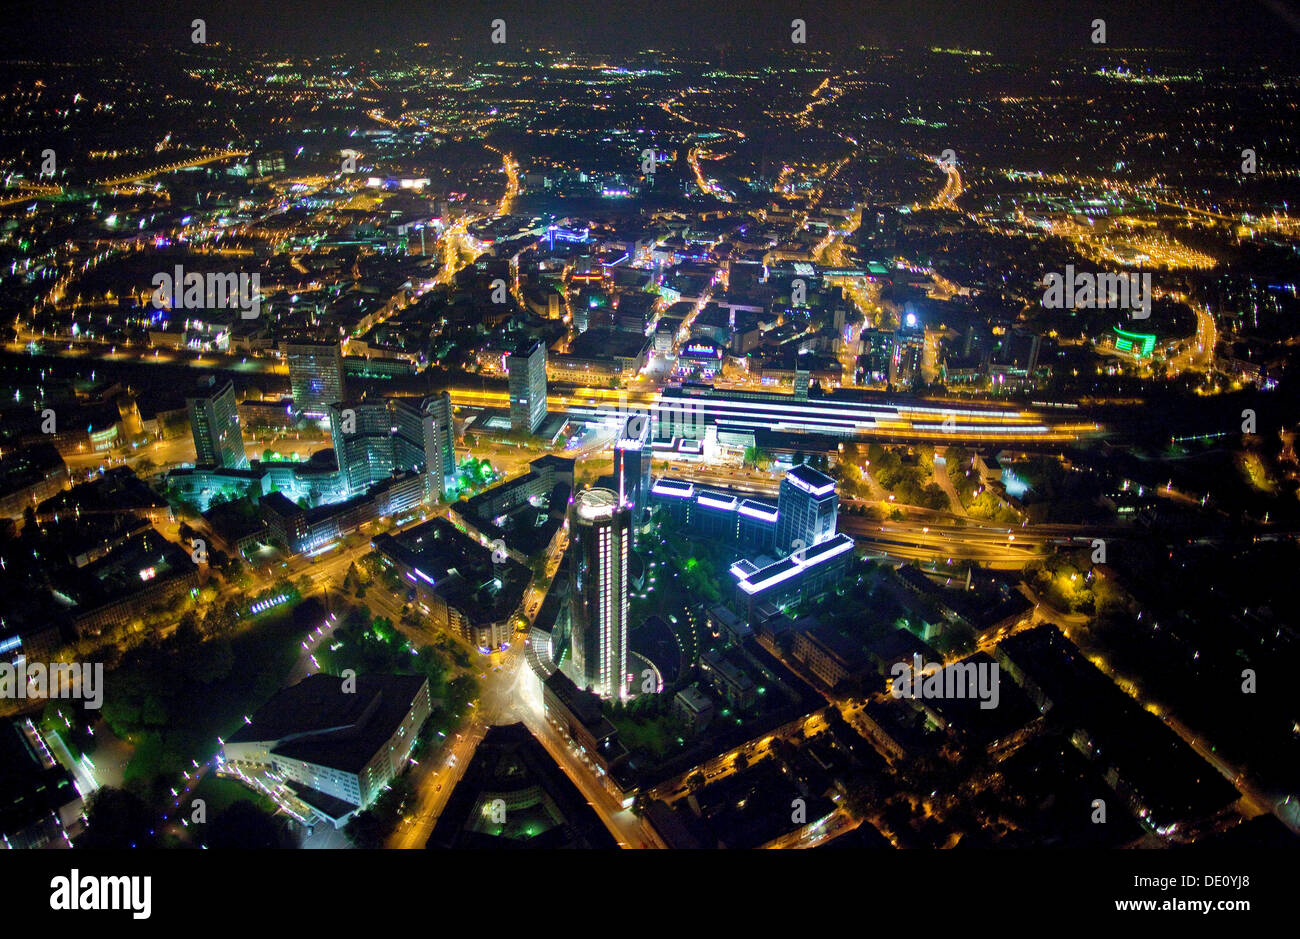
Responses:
[539,807]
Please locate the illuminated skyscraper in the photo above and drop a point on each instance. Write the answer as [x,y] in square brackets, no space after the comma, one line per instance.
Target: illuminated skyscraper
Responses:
[527,368]
[375,438]
[632,466]
[806,509]
[214,421]
[599,542]
[315,375]
[439,443]
[363,436]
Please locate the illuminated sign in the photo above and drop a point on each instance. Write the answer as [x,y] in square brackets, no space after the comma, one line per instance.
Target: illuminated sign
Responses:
[704,349]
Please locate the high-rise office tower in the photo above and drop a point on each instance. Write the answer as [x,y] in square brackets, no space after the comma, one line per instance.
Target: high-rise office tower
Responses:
[214,421]
[599,534]
[632,465]
[527,369]
[806,509]
[439,443]
[364,434]
[374,438]
[315,375]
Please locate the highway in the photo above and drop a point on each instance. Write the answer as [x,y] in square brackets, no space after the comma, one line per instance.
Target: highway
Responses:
[26,191]
[1000,548]
[952,187]
[172,167]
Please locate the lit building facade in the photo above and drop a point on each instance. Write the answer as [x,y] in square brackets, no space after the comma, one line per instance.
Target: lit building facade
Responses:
[439,443]
[527,368]
[335,751]
[599,543]
[214,422]
[374,439]
[315,375]
[807,509]
[632,458]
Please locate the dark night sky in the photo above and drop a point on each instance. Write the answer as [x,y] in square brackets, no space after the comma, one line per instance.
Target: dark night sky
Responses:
[1017,26]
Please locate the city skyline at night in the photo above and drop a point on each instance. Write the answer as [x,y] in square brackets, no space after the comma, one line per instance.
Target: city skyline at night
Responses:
[653,427]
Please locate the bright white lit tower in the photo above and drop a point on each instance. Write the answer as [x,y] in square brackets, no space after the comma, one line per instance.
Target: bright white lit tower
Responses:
[599,542]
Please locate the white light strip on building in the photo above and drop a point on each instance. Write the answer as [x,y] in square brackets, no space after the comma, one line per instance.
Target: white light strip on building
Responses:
[858,411]
[666,487]
[797,566]
[809,488]
[765,515]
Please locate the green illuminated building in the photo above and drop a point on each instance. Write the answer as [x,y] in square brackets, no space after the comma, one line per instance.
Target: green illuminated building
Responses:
[1138,345]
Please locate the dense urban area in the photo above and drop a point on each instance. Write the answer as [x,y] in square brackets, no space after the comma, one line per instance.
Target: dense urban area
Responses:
[529,446]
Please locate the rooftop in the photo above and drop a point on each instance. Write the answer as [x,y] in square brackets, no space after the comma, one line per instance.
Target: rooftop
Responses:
[315,721]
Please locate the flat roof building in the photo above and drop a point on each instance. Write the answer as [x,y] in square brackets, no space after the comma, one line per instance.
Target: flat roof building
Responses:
[807,508]
[527,378]
[458,583]
[315,375]
[28,476]
[39,802]
[341,744]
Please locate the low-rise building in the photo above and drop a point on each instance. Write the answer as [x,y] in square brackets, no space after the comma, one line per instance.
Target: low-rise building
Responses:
[337,745]
[513,794]
[29,476]
[145,571]
[526,513]
[457,582]
[694,707]
[733,683]
[829,656]
[39,802]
